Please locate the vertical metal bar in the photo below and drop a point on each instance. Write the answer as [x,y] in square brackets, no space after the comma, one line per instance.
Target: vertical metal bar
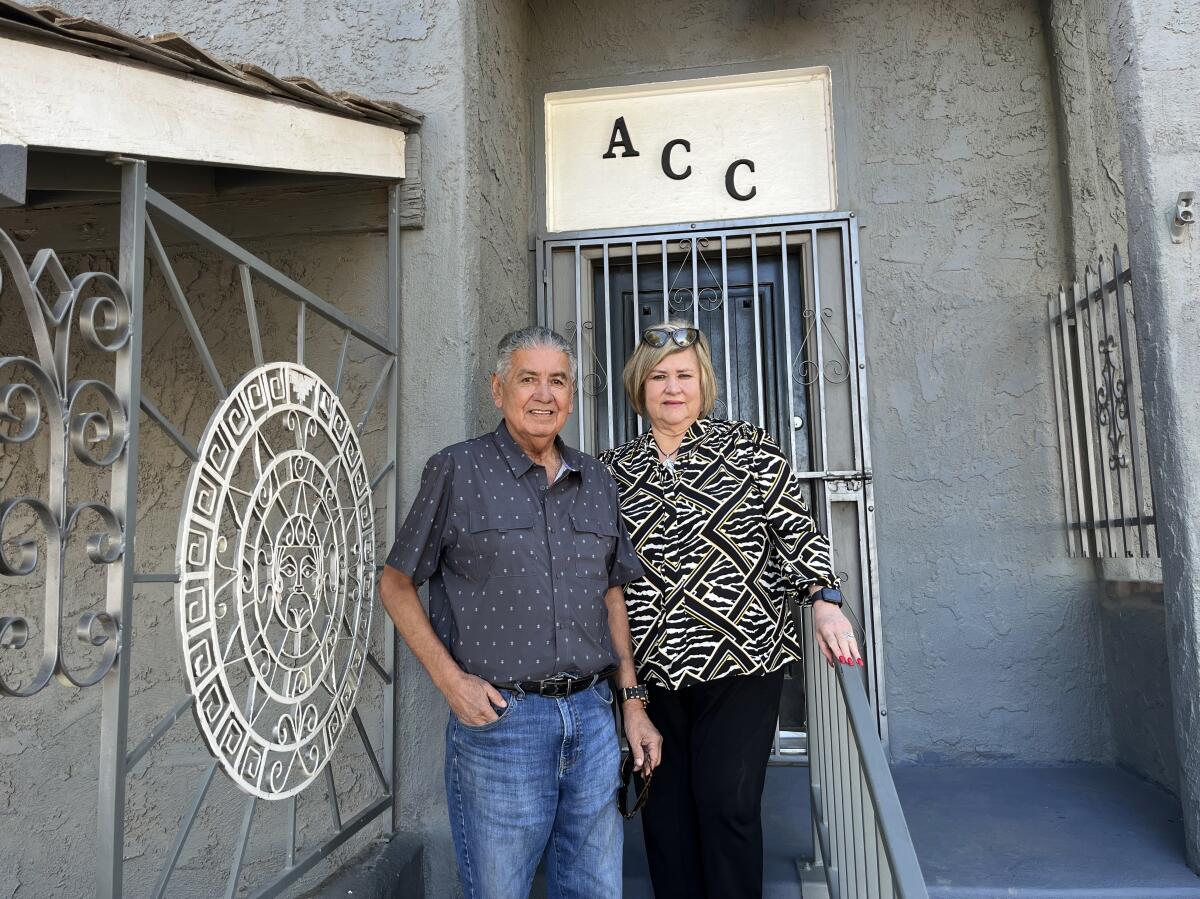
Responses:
[845,750]
[787,347]
[871,841]
[838,751]
[666,285]
[1098,445]
[608,341]
[580,411]
[548,286]
[853,273]
[859,818]
[731,404]
[301,323]
[540,276]
[695,285]
[185,828]
[391,689]
[633,252]
[114,722]
[1060,411]
[1089,435]
[331,796]
[818,305]
[239,854]
[251,314]
[291,851]
[1134,398]
[1114,446]
[756,309]
[1070,363]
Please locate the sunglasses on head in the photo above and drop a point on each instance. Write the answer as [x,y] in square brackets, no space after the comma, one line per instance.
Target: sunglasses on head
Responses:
[629,776]
[682,337]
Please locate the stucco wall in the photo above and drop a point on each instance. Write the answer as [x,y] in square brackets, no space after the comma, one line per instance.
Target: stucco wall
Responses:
[948,153]
[1152,49]
[502,199]
[1133,624]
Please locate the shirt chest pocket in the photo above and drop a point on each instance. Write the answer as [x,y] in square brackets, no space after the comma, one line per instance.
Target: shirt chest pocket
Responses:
[501,543]
[595,539]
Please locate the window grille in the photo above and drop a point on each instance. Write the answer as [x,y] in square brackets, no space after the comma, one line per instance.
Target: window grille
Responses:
[1107,498]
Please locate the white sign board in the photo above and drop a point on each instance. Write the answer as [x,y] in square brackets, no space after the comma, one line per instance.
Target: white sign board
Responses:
[736,146]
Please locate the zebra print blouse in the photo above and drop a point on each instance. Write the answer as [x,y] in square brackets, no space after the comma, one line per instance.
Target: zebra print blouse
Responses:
[724,539]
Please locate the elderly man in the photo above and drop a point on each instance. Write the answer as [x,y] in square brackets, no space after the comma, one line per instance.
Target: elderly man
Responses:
[525,552]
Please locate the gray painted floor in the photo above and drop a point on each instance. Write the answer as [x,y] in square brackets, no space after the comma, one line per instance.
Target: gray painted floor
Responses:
[1045,833]
[988,833]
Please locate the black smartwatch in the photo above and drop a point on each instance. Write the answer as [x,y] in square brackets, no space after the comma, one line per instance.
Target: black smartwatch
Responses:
[638,692]
[829,595]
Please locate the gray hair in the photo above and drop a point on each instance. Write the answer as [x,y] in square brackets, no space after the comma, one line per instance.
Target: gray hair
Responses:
[532,338]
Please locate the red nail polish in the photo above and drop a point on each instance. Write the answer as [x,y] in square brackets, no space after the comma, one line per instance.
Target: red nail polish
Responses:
[842,659]
[860,661]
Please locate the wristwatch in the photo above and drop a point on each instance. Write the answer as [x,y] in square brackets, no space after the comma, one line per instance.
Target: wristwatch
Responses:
[637,692]
[829,595]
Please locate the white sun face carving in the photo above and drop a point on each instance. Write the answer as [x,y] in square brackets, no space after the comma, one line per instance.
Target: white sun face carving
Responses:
[277,561]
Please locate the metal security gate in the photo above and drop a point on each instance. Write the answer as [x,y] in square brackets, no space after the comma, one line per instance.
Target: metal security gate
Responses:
[281,447]
[780,302]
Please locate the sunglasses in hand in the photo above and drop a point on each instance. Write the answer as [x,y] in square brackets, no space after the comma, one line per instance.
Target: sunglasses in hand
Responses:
[640,782]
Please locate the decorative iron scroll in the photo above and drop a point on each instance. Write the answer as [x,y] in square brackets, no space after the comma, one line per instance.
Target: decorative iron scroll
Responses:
[681,299]
[805,369]
[1108,500]
[277,562]
[86,422]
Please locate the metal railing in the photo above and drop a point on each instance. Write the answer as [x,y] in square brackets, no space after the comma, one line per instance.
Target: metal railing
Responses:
[1107,499]
[860,835]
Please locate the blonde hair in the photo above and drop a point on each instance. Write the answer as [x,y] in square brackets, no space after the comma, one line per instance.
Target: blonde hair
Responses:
[646,358]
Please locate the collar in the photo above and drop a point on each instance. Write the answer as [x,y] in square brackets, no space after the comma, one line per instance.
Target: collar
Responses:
[692,438]
[520,463]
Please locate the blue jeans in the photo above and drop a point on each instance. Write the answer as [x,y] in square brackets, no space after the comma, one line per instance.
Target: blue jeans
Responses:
[540,780]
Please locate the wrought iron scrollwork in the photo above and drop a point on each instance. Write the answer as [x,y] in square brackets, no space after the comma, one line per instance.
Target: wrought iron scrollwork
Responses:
[681,299]
[86,422]
[595,380]
[805,370]
[1112,405]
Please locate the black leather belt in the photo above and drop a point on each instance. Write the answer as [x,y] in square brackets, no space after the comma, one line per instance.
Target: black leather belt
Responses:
[561,685]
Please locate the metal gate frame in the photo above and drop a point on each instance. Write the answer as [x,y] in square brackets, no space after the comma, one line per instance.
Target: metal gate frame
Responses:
[853,485]
[139,205]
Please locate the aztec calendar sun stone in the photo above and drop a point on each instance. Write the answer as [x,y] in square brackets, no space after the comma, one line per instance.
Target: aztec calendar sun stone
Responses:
[277,566]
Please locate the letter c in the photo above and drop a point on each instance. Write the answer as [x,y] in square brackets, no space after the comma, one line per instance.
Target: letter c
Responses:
[666,159]
[731,188]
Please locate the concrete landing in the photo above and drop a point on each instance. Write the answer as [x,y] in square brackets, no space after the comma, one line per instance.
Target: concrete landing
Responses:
[1045,833]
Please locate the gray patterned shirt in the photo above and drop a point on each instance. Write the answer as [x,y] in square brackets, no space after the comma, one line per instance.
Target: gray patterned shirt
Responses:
[517,568]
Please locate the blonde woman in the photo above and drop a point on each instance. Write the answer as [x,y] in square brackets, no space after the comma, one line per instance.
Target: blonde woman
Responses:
[722,529]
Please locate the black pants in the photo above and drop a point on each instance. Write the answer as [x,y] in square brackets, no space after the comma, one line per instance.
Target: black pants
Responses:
[703,820]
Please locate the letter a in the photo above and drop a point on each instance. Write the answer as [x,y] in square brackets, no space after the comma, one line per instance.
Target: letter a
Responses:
[620,138]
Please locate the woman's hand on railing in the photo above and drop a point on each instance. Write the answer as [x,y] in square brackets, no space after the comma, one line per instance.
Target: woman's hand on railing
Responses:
[835,635]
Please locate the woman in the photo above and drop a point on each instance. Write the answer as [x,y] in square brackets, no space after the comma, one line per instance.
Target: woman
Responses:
[721,526]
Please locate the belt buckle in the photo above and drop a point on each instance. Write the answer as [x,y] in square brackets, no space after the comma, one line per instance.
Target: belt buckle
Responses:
[557,687]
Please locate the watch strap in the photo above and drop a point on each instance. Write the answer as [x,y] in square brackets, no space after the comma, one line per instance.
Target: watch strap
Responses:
[636,692]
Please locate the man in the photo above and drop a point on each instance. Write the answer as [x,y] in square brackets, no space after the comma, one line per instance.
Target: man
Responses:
[521,540]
